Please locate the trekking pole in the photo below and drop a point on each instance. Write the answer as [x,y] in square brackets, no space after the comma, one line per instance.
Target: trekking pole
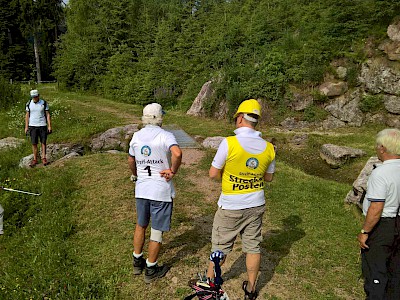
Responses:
[18,191]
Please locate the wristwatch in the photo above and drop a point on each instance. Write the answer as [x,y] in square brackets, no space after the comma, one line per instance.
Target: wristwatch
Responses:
[364,232]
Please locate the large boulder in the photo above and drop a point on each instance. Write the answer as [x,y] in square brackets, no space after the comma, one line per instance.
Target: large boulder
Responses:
[55,152]
[392,104]
[346,108]
[25,161]
[114,139]
[357,193]
[332,89]
[205,94]
[331,123]
[336,156]
[378,77]
[393,32]
[10,142]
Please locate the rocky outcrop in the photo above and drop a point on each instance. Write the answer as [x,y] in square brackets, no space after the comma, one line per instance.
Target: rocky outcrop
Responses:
[336,156]
[301,101]
[357,193]
[114,139]
[346,109]
[204,98]
[56,152]
[380,78]
[205,94]
[392,104]
[379,75]
[10,142]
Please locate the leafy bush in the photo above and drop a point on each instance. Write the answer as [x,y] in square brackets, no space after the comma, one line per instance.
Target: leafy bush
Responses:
[371,103]
[318,97]
[10,94]
[352,76]
[314,114]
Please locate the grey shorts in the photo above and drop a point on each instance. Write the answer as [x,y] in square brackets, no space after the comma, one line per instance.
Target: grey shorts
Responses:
[159,212]
[38,133]
[230,223]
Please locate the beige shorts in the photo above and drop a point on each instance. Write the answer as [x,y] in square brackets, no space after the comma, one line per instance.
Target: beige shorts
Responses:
[229,223]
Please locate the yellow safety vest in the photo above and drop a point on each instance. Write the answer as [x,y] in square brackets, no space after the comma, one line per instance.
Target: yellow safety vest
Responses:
[244,172]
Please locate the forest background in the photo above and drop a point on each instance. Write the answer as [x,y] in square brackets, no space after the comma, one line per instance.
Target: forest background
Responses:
[139,51]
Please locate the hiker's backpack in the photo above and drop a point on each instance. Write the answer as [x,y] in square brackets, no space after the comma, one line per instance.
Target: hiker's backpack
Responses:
[206,290]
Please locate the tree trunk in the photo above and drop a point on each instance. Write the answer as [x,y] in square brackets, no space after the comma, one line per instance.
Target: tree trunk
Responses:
[37,58]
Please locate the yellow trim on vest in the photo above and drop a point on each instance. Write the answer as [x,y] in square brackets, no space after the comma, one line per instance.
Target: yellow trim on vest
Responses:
[244,172]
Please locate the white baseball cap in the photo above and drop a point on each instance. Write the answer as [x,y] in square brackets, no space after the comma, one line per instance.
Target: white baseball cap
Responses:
[34,93]
[153,110]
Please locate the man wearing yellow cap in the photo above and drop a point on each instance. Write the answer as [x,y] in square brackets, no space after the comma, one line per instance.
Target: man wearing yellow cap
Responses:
[243,163]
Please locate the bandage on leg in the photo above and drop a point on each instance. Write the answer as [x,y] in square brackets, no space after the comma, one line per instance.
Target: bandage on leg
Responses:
[156,235]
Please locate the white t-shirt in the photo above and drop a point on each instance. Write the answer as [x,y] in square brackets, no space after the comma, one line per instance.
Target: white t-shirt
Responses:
[384,186]
[151,148]
[252,142]
[37,113]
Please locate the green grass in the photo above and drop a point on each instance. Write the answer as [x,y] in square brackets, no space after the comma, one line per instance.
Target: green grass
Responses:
[75,241]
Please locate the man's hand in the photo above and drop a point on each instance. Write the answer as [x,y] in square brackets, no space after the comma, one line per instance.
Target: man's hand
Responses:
[167,174]
[362,239]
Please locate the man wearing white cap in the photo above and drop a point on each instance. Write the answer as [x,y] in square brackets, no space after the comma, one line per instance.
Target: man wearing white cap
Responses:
[37,125]
[154,159]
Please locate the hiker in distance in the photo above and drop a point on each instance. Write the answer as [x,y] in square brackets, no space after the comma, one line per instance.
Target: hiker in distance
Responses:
[243,163]
[37,125]
[154,159]
[379,238]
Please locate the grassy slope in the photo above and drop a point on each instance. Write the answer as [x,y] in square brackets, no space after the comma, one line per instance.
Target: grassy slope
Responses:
[77,237]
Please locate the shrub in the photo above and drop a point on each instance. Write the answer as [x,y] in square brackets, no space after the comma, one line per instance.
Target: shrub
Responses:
[319,97]
[352,76]
[314,114]
[371,103]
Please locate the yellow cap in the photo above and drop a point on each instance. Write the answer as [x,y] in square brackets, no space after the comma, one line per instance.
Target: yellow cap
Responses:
[250,106]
